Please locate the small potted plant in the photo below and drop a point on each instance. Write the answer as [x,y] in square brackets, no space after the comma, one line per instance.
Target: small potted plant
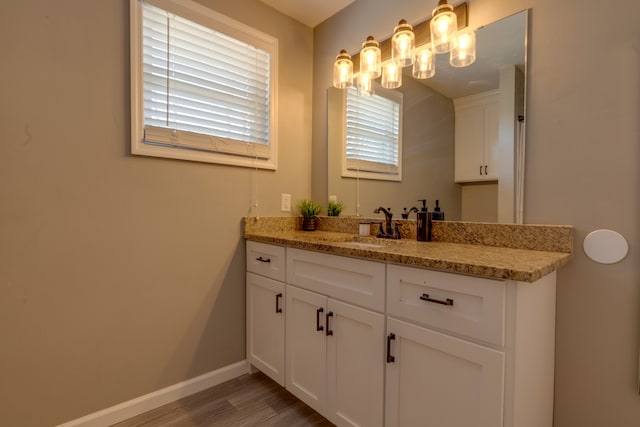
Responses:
[334,208]
[309,211]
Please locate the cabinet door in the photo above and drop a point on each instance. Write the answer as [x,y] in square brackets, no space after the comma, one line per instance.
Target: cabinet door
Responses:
[469,147]
[355,366]
[476,137]
[491,117]
[265,326]
[438,380]
[306,346]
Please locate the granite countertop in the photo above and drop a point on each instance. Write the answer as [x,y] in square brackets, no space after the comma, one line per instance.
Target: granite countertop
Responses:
[494,262]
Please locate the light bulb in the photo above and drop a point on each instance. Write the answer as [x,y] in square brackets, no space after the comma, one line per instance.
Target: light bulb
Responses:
[391,75]
[444,25]
[463,52]
[343,71]
[365,86]
[424,64]
[370,58]
[403,43]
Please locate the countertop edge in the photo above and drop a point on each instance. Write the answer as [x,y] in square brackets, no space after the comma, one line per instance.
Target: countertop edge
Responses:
[484,267]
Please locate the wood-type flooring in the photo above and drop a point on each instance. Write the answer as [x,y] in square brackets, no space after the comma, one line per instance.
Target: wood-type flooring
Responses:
[249,400]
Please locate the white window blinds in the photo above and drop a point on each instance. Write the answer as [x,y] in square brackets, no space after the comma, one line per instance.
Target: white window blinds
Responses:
[373,135]
[202,89]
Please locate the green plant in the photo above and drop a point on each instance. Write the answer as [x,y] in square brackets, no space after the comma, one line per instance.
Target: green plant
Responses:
[334,208]
[308,209]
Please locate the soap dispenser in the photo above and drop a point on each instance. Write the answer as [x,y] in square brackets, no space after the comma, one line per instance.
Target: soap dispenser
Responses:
[424,223]
[437,214]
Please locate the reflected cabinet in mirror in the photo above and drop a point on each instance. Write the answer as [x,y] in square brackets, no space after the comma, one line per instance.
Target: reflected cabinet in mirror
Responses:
[461,136]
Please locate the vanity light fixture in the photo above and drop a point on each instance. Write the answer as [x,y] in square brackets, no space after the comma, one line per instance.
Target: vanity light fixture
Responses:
[403,42]
[436,35]
[370,58]
[343,71]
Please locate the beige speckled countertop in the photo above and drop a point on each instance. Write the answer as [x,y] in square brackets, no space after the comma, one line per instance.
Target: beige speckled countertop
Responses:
[491,260]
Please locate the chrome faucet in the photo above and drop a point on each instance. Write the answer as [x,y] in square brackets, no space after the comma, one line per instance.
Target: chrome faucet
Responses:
[389,232]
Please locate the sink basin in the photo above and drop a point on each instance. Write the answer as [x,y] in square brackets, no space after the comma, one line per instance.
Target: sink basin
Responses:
[363,245]
[370,242]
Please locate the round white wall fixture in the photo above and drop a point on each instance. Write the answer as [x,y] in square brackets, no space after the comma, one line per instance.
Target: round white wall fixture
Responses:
[605,246]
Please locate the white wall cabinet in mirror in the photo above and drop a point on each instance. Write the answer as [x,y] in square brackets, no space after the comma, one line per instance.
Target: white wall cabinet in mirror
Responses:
[476,140]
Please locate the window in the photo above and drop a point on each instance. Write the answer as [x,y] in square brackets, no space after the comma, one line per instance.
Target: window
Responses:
[373,136]
[203,86]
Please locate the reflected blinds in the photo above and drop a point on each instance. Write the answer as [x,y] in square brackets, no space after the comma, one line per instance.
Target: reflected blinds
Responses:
[372,133]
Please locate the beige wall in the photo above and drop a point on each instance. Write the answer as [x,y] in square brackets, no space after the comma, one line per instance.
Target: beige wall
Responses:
[581,169]
[480,202]
[119,275]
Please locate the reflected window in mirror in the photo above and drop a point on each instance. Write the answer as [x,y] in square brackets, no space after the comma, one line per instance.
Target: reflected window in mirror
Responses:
[372,143]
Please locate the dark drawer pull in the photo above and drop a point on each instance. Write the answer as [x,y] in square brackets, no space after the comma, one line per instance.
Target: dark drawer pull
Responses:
[278,308]
[263,259]
[319,327]
[425,297]
[390,358]
[329,331]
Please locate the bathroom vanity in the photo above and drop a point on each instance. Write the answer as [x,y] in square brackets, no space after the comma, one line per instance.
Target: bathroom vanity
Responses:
[371,332]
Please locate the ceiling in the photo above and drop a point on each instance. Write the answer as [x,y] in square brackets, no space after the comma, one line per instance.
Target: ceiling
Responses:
[309,12]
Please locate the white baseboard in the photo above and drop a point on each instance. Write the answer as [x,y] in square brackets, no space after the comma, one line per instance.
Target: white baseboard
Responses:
[153,400]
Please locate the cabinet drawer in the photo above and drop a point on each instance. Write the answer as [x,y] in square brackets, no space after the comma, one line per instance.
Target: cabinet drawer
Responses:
[469,306]
[266,260]
[357,281]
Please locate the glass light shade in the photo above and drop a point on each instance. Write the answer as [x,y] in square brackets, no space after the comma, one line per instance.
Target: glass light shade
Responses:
[403,44]
[371,58]
[424,65]
[463,52]
[391,75]
[343,71]
[365,85]
[444,25]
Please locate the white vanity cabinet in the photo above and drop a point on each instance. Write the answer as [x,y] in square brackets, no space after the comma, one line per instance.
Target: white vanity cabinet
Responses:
[369,344]
[265,309]
[335,349]
[476,137]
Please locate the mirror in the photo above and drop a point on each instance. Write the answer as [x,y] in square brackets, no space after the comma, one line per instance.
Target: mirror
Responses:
[429,136]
